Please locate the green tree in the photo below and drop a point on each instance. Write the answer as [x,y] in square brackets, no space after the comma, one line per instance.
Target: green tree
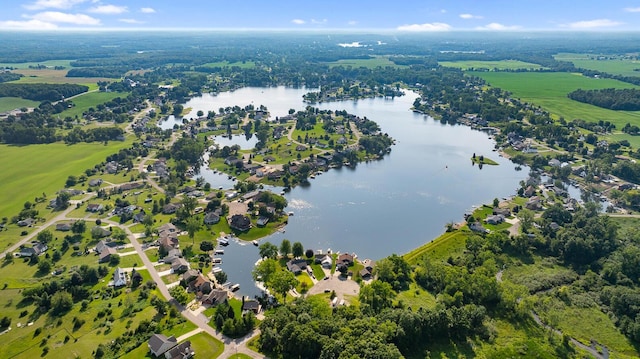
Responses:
[285,247]
[180,294]
[281,282]
[61,302]
[268,250]
[263,270]
[376,296]
[298,250]
[45,236]
[79,227]
[193,225]
[526,219]
[44,266]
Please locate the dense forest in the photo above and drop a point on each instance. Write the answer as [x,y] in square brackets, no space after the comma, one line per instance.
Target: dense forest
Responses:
[612,99]
[41,92]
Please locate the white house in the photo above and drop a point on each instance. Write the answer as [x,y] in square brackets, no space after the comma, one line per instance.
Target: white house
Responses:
[119,277]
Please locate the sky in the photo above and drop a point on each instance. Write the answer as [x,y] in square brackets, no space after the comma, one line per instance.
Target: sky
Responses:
[358,15]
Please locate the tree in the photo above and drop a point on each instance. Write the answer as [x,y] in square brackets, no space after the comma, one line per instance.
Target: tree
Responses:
[79,227]
[44,266]
[180,294]
[395,271]
[193,225]
[268,250]
[377,295]
[281,282]
[221,277]
[263,270]
[526,219]
[308,253]
[298,250]
[61,302]
[206,246]
[285,247]
[45,236]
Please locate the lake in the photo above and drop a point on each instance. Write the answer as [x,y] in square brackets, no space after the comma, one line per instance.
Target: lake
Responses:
[382,207]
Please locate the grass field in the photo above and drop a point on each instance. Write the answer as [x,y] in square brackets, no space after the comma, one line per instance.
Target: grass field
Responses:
[87,100]
[549,90]
[11,103]
[615,66]
[51,63]
[28,171]
[490,65]
[368,63]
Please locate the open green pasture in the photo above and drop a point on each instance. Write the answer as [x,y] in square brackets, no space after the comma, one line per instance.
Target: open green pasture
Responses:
[48,63]
[90,99]
[549,90]
[490,65]
[12,103]
[610,64]
[28,171]
[371,63]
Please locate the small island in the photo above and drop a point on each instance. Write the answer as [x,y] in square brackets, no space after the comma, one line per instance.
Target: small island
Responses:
[481,160]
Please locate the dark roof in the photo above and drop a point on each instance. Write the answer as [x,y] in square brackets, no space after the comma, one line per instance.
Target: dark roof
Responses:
[240,222]
[181,351]
[158,340]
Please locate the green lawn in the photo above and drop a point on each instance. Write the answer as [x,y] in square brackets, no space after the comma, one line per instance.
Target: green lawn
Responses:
[372,63]
[205,346]
[12,103]
[28,171]
[448,244]
[549,91]
[91,99]
[490,65]
[608,64]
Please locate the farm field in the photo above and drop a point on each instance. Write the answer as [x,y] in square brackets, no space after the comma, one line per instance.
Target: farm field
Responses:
[500,65]
[368,63]
[549,90]
[11,103]
[87,100]
[30,170]
[615,66]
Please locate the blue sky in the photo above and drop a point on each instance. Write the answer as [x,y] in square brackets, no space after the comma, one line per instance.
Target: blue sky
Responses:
[401,15]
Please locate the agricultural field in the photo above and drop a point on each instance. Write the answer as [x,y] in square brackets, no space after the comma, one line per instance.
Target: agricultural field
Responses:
[51,75]
[368,63]
[90,99]
[549,90]
[31,170]
[48,63]
[12,103]
[607,63]
[490,65]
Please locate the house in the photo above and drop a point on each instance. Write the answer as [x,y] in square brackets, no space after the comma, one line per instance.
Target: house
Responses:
[505,212]
[534,203]
[182,351]
[324,260]
[106,254]
[477,227]
[63,227]
[170,208]
[555,163]
[211,218]
[250,196]
[251,305]
[365,274]
[262,221]
[159,344]
[37,249]
[189,275]
[167,229]
[95,182]
[215,297]
[554,226]
[94,207]
[240,222]
[100,232]
[101,246]
[296,265]
[172,255]
[27,222]
[530,191]
[346,259]
[131,185]
[495,219]
[119,277]
[179,265]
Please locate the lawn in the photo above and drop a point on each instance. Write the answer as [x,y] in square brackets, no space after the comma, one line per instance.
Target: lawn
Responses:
[87,100]
[28,172]
[549,91]
[490,65]
[415,297]
[606,63]
[372,63]
[448,244]
[205,346]
[32,76]
[12,103]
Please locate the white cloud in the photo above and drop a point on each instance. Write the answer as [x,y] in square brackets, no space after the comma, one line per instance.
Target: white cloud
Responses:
[298,21]
[131,21]
[27,25]
[632,9]
[352,23]
[108,9]
[435,26]
[148,10]
[318,22]
[592,24]
[53,4]
[470,16]
[61,17]
[494,26]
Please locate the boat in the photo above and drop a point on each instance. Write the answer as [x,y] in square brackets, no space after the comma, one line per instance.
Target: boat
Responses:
[219,252]
[290,214]
[235,287]
[223,242]
[255,243]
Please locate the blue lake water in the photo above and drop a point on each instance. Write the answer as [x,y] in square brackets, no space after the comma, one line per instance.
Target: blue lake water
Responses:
[382,207]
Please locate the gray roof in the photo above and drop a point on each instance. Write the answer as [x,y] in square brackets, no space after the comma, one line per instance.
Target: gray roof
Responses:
[158,340]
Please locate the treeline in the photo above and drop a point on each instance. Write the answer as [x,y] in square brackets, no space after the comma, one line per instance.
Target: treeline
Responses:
[611,98]
[41,92]
[99,134]
[9,76]
[110,72]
